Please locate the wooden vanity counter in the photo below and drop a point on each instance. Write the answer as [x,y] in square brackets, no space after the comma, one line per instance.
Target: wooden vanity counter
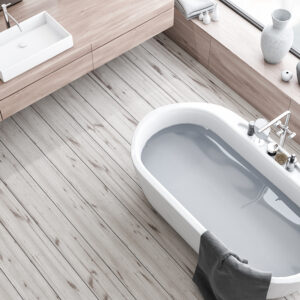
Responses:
[101,29]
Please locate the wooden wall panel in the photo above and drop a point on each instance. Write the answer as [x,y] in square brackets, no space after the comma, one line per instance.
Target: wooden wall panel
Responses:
[186,35]
[250,85]
[203,44]
[182,33]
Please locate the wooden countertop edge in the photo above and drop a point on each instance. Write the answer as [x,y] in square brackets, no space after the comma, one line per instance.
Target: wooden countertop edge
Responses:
[99,43]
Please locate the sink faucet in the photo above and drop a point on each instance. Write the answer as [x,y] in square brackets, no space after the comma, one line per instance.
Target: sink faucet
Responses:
[8,16]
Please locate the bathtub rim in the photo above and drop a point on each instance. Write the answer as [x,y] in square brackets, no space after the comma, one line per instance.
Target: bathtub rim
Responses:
[138,143]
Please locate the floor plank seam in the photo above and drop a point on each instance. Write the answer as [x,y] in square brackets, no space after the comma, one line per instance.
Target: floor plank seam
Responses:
[196,92]
[24,252]
[138,259]
[211,77]
[113,98]
[53,96]
[97,80]
[96,252]
[151,105]
[113,193]
[149,232]
[98,111]
[50,240]
[8,279]
[159,87]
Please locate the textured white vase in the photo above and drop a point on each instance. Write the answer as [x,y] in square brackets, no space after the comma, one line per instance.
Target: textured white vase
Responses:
[277,39]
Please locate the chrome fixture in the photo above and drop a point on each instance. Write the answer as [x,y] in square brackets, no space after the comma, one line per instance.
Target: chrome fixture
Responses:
[261,128]
[251,128]
[291,163]
[272,149]
[284,131]
[8,16]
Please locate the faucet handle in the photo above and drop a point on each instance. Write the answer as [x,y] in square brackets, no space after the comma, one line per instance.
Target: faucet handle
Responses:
[292,135]
[258,126]
[5,5]
[279,132]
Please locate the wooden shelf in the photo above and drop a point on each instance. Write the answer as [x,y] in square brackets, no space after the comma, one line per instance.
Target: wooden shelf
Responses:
[230,49]
[93,24]
[243,40]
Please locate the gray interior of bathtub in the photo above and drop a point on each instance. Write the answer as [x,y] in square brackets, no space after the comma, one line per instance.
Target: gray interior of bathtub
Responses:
[228,196]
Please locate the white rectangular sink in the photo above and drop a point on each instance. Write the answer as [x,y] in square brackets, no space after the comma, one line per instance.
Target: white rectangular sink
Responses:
[41,39]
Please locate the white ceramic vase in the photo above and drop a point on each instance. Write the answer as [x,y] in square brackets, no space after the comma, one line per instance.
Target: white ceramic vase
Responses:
[277,39]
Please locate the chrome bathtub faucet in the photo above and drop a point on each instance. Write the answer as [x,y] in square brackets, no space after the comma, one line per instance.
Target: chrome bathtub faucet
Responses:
[284,130]
[261,128]
[8,16]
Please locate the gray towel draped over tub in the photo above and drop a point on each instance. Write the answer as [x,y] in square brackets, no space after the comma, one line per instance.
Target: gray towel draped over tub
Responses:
[222,275]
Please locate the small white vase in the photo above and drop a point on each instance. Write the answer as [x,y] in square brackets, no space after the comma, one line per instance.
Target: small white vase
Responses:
[277,39]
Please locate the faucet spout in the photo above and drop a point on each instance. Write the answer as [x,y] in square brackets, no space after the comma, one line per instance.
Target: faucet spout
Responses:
[8,16]
[283,127]
[286,114]
[261,128]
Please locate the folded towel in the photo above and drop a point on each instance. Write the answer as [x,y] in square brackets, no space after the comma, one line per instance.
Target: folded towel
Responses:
[192,8]
[222,275]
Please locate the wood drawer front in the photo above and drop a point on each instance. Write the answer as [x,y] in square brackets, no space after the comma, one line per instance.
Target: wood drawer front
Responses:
[203,47]
[245,81]
[185,33]
[45,86]
[182,33]
[46,68]
[118,18]
[132,38]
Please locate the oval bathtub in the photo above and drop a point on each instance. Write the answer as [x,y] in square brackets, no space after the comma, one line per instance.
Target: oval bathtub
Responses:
[200,171]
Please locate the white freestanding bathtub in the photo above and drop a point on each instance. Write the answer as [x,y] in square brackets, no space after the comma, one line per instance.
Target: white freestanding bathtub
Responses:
[201,171]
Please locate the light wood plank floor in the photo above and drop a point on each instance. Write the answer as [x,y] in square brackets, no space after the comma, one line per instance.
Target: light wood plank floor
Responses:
[74,223]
